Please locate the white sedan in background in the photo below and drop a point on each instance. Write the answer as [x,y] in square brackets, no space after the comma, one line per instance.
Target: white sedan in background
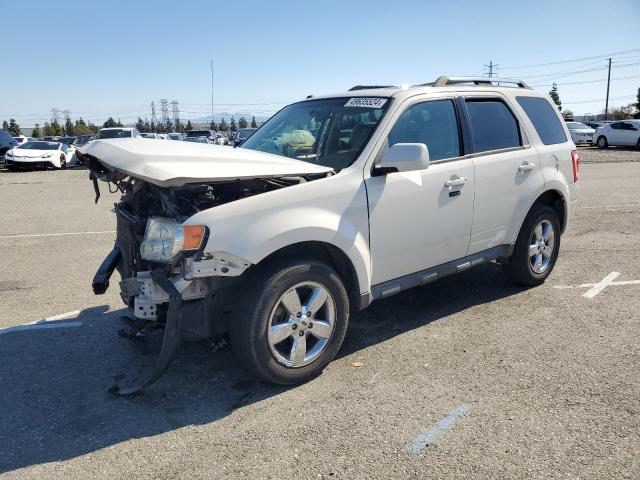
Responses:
[22,139]
[625,133]
[580,133]
[40,154]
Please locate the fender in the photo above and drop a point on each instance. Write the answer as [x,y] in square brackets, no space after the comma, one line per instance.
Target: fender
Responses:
[331,210]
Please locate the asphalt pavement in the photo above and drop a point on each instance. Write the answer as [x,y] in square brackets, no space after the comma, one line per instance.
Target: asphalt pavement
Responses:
[469,377]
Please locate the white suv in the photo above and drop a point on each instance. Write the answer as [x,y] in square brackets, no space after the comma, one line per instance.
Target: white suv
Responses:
[336,201]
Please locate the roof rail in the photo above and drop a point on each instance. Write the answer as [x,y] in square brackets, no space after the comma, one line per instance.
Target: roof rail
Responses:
[446,81]
[370,87]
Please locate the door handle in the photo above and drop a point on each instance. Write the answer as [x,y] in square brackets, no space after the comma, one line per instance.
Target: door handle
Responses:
[455,181]
[526,166]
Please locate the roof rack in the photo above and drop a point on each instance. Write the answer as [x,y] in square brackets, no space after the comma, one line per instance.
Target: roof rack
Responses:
[446,81]
[370,87]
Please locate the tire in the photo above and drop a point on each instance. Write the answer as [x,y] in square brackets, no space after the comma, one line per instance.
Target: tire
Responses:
[602,142]
[262,319]
[522,267]
[63,164]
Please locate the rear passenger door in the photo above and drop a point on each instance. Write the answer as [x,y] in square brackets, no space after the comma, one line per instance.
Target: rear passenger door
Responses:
[507,170]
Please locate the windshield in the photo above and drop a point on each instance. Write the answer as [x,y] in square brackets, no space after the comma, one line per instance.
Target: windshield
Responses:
[102,134]
[576,125]
[245,132]
[196,139]
[329,132]
[199,133]
[39,146]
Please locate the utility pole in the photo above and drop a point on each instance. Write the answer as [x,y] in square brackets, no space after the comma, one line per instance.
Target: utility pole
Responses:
[491,66]
[606,105]
[212,90]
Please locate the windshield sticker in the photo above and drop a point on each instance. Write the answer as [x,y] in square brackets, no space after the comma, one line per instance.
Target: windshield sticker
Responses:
[366,102]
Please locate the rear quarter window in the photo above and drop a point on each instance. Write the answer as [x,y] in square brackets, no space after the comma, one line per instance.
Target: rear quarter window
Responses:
[544,118]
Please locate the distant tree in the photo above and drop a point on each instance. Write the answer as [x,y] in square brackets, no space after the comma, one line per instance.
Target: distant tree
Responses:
[223,126]
[140,125]
[553,93]
[5,125]
[152,127]
[189,127]
[253,122]
[242,123]
[178,126]
[68,128]
[37,131]
[621,113]
[56,128]
[81,128]
[47,131]
[93,128]
[168,126]
[637,105]
[213,126]
[567,115]
[110,123]
[233,126]
[147,126]
[14,128]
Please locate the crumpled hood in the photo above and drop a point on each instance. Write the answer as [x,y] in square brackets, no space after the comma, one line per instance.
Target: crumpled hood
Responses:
[174,163]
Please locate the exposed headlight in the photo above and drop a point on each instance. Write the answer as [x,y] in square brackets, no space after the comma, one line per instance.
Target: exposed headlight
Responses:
[46,155]
[9,154]
[165,239]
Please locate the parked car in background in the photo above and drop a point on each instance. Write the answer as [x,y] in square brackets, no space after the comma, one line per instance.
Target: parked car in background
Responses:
[51,138]
[198,140]
[580,133]
[242,135]
[210,134]
[83,140]
[67,140]
[593,125]
[22,139]
[155,136]
[40,154]
[117,132]
[624,133]
[175,136]
[7,142]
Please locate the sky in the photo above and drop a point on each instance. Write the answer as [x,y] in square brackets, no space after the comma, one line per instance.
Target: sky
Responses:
[114,57]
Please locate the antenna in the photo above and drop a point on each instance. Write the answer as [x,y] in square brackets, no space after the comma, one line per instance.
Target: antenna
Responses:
[212,90]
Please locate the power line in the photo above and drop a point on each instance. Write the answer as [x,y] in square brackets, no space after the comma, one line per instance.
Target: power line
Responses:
[585,81]
[573,60]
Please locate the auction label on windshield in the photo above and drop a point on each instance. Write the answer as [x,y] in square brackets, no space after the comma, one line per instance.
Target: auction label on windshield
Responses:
[367,102]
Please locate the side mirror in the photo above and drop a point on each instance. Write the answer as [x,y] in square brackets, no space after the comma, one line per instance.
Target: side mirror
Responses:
[403,157]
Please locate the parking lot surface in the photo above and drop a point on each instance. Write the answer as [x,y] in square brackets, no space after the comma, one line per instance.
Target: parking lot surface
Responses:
[469,377]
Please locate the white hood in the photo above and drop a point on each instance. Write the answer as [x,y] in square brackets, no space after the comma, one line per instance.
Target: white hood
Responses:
[34,154]
[174,163]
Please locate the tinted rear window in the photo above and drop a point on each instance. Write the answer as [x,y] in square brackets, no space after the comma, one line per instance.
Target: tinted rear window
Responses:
[544,118]
[493,126]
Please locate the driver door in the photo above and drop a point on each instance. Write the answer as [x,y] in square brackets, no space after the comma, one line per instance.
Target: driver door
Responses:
[423,218]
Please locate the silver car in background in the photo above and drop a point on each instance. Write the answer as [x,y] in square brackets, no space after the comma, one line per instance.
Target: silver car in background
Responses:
[580,133]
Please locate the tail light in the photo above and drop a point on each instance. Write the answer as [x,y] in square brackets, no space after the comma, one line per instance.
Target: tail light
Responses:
[575,163]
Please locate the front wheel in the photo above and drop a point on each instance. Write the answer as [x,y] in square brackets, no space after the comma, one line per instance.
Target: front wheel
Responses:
[602,142]
[536,249]
[292,321]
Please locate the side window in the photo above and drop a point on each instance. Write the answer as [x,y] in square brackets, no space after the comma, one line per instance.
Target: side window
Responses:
[493,126]
[544,118]
[433,123]
[617,126]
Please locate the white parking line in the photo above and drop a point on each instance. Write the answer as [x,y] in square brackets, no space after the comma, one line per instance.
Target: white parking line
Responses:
[613,206]
[432,433]
[45,323]
[32,235]
[596,288]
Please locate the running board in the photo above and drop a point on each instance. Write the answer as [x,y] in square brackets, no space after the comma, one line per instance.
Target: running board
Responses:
[397,285]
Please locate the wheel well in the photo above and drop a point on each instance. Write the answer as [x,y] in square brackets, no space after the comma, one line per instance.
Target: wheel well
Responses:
[556,201]
[330,254]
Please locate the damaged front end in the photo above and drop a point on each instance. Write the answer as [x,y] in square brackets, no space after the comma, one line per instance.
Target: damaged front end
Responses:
[169,279]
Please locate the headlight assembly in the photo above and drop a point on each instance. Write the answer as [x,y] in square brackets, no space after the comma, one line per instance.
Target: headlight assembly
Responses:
[47,155]
[164,239]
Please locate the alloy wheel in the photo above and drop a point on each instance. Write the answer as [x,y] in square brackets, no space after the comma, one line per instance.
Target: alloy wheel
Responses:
[541,246]
[301,324]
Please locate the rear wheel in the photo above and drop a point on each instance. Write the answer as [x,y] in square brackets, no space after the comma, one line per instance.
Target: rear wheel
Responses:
[536,248]
[602,142]
[63,163]
[292,321]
